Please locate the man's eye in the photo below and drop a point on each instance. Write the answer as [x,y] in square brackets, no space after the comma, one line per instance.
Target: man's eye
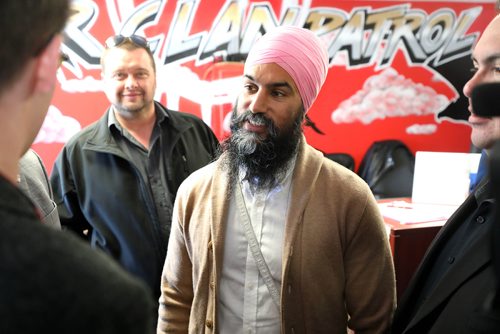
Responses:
[119,75]
[249,87]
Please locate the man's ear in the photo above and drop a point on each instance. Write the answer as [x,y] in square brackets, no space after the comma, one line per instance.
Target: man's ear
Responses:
[46,67]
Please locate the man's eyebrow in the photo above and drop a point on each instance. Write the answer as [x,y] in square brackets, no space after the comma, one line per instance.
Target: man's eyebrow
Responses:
[493,58]
[130,69]
[273,84]
[488,60]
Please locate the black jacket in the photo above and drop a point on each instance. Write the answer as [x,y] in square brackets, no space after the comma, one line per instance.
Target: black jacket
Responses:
[102,197]
[461,300]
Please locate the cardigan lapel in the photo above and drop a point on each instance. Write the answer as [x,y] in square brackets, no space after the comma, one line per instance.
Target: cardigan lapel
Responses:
[219,204]
[305,174]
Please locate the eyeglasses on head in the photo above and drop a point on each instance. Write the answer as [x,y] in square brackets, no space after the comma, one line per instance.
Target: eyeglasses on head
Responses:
[117,40]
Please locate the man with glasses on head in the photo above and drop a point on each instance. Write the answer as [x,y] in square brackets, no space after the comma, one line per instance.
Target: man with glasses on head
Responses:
[50,281]
[116,180]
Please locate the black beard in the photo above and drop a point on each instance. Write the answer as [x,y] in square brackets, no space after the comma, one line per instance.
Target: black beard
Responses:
[264,160]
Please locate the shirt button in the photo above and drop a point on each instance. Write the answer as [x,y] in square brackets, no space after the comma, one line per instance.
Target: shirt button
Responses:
[289,289]
[209,324]
[451,259]
[480,219]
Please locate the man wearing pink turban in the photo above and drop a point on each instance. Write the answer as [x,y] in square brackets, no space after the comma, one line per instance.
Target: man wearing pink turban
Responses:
[273,237]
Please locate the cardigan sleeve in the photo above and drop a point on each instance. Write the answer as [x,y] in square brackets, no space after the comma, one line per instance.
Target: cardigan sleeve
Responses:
[176,283]
[370,278]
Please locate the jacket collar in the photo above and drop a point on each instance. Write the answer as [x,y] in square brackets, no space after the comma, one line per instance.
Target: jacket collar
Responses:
[101,139]
[160,113]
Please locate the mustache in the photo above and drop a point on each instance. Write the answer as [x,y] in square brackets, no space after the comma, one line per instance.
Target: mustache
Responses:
[255,119]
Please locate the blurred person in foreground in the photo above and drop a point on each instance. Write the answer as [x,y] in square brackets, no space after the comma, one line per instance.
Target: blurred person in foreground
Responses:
[50,282]
[115,181]
[452,290]
[273,237]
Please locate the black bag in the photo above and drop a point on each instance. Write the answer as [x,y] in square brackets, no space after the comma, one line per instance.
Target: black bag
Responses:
[388,167]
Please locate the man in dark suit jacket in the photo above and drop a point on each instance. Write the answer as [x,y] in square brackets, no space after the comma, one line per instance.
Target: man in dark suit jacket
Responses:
[453,289]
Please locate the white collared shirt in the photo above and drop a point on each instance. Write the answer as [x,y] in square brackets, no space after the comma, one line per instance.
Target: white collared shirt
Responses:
[244,302]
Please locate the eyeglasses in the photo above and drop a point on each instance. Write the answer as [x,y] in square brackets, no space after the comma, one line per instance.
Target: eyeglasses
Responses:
[117,40]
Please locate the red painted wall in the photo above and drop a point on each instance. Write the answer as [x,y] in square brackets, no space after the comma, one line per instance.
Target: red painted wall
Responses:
[397,68]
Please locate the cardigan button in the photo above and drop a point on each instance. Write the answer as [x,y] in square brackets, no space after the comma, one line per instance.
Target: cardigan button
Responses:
[209,324]
[210,245]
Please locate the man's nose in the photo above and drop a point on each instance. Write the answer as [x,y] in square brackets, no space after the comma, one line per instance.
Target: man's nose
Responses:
[259,103]
[131,82]
[469,85]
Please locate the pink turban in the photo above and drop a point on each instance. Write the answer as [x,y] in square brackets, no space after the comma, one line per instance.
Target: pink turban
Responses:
[299,52]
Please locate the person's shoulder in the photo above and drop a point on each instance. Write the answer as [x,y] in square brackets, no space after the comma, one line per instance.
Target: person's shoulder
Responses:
[30,158]
[329,166]
[347,177]
[88,132]
[76,144]
[335,176]
[31,164]
[189,124]
[81,136]
[186,117]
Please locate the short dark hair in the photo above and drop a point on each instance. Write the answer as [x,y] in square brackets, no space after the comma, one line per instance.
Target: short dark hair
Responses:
[130,46]
[26,28]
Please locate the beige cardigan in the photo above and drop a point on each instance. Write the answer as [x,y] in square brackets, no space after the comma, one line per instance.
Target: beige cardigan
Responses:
[337,266]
